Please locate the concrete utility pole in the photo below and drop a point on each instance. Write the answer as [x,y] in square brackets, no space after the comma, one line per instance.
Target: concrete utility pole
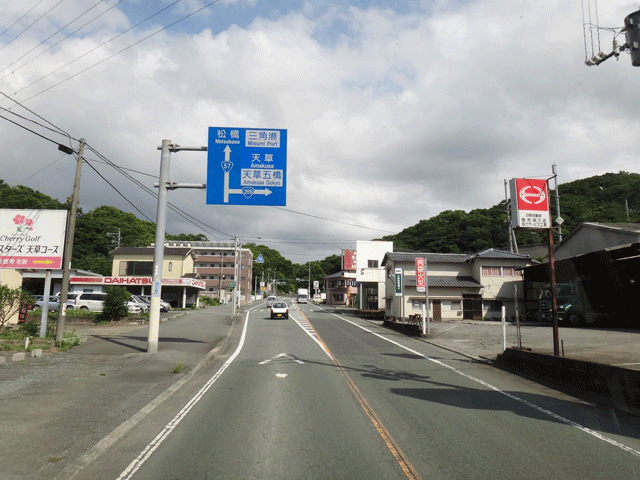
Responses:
[68,249]
[161,218]
[558,217]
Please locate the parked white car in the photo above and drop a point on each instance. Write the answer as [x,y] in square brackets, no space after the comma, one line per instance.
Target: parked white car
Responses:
[141,302]
[94,302]
[164,306]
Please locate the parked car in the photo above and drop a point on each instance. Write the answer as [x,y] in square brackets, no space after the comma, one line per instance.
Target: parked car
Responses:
[164,306]
[94,302]
[279,310]
[54,303]
[144,305]
[270,300]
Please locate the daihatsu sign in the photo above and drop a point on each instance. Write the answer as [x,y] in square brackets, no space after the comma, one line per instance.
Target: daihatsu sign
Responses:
[32,239]
[529,203]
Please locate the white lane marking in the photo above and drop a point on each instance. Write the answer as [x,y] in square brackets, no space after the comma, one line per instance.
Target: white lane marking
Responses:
[308,329]
[155,443]
[584,429]
[281,375]
[282,355]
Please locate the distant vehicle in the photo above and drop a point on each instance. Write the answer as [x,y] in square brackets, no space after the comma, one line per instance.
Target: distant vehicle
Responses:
[303,295]
[164,306]
[270,300]
[279,310]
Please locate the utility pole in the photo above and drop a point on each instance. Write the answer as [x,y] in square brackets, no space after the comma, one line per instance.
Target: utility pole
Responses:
[558,217]
[68,249]
[235,276]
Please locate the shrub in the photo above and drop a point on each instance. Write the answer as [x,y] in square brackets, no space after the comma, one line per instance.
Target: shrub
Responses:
[12,300]
[115,303]
[31,328]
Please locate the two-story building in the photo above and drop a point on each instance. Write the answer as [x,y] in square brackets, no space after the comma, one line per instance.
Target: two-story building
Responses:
[460,286]
[370,274]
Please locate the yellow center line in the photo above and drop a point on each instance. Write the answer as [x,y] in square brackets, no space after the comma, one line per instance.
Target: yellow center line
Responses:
[391,444]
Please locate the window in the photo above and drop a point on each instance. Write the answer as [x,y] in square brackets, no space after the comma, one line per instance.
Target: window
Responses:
[141,269]
[372,263]
[491,271]
[170,266]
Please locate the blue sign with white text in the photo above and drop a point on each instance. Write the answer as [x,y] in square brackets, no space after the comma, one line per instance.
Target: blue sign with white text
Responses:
[247,166]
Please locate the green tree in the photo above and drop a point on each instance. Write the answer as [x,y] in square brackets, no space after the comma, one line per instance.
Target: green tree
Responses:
[115,303]
[187,237]
[26,198]
[12,300]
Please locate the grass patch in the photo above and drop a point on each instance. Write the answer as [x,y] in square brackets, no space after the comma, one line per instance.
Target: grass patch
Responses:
[178,368]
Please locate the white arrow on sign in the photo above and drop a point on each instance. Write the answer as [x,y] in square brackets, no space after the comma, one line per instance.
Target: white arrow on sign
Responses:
[227,165]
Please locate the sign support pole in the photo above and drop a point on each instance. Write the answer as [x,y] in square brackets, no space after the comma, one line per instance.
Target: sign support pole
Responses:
[164,186]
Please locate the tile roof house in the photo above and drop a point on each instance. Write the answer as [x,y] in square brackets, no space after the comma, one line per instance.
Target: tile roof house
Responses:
[460,286]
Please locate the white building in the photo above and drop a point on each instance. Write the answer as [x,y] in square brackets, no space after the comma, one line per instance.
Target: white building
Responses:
[370,274]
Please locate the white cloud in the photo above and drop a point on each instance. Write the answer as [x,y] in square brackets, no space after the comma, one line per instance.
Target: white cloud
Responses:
[392,116]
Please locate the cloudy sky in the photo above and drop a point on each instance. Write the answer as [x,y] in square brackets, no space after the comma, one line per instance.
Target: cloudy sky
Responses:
[395,110]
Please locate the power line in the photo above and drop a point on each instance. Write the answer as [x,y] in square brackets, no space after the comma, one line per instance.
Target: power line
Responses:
[29,130]
[115,54]
[63,39]
[40,117]
[118,192]
[52,35]
[28,27]
[43,168]
[21,17]
[331,220]
[93,50]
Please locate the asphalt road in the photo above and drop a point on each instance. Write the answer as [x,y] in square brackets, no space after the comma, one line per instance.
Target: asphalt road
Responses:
[324,396]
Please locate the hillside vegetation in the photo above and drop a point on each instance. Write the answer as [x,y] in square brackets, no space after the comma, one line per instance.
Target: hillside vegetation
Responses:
[602,198]
[595,199]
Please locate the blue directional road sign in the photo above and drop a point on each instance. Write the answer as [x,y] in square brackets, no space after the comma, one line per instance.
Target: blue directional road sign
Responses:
[247,166]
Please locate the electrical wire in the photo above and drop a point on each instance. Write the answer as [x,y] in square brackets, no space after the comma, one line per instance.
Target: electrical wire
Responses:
[93,50]
[63,39]
[111,56]
[28,27]
[118,192]
[21,17]
[43,168]
[29,130]
[60,130]
[331,220]
[50,37]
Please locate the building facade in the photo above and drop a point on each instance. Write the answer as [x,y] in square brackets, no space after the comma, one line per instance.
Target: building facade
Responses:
[215,263]
[460,286]
[370,274]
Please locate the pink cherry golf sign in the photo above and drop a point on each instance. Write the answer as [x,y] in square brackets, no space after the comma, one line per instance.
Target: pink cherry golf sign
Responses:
[32,239]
